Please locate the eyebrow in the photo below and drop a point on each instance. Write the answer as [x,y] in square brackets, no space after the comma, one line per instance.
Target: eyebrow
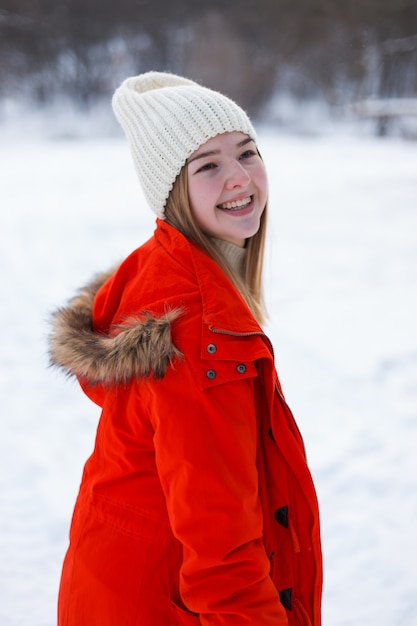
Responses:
[209,153]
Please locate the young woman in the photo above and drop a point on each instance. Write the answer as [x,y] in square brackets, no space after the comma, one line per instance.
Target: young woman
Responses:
[196,505]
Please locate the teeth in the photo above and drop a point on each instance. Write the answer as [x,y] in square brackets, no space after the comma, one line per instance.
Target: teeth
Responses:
[238,204]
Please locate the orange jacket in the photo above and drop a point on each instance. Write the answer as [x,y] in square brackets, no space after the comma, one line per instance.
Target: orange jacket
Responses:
[196,505]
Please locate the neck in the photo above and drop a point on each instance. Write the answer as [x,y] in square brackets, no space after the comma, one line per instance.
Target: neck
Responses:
[234,255]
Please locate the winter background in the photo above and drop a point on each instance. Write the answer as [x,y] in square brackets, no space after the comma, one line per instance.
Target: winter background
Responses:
[341,277]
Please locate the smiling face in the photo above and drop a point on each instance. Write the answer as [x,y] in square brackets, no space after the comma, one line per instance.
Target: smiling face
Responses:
[227,187]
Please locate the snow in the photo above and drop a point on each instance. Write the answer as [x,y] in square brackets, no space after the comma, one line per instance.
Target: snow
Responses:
[341,280]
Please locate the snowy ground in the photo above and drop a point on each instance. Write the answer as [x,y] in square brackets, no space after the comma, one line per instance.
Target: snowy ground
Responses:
[341,287]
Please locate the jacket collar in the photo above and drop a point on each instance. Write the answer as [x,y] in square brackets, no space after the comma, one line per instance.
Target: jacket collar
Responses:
[224,309]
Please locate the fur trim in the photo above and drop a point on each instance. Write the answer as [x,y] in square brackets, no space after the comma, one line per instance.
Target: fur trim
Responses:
[141,346]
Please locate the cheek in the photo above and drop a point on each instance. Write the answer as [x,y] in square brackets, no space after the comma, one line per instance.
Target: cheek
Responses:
[202,193]
[195,192]
[198,202]
[263,183]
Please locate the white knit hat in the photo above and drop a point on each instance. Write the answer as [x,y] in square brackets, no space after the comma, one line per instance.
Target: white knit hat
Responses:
[166,118]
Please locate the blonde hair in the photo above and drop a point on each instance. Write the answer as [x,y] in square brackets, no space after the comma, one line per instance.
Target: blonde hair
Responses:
[178,214]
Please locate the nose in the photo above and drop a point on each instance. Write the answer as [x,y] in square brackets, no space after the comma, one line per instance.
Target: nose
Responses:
[237,176]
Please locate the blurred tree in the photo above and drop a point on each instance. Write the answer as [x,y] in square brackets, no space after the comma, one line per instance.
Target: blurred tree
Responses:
[331,49]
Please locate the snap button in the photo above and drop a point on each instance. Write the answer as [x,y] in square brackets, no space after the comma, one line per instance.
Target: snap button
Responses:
[211,348]
[211,374]
[241,368]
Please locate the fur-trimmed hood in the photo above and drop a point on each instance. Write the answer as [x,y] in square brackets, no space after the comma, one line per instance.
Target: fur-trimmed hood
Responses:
[120,326]
[141,346]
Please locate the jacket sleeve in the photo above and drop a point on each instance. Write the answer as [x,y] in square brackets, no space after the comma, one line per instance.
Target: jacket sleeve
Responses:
[206,445]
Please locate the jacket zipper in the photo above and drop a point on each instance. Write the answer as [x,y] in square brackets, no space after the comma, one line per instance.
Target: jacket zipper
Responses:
[254,333]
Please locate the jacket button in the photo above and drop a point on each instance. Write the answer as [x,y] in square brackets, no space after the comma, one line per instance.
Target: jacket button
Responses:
[285,596]
[211,348]
[211,374]
[241,368]
[281,516]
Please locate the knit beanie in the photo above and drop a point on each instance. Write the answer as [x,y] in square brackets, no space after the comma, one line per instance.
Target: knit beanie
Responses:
[166,118]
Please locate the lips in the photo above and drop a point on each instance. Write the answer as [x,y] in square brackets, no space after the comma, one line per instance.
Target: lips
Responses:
[235,205]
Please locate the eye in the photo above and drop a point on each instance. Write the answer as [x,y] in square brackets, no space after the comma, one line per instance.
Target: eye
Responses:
[206,167]
[248,154]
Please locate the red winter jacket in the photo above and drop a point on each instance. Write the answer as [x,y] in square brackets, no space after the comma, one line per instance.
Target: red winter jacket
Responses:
[196,505]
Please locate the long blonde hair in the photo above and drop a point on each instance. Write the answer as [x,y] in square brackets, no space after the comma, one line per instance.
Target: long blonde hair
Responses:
[179,215]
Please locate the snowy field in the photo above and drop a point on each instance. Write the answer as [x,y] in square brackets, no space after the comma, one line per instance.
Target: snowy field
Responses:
[341,287]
